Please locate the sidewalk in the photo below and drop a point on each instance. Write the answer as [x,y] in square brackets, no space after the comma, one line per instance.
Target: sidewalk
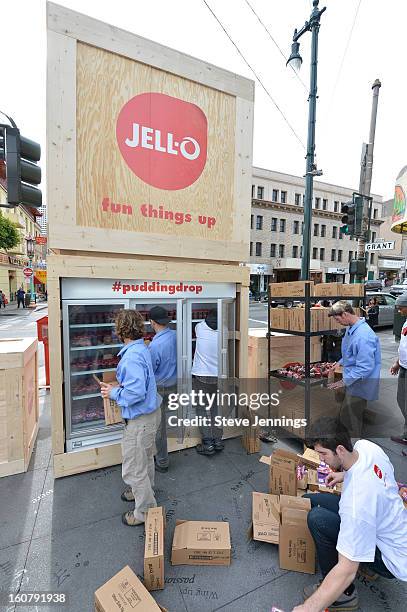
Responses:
[66,535]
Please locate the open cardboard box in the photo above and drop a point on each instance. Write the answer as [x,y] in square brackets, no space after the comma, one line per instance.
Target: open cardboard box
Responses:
[266,518]
[124,593]
[201,543]
[296,546]
[283,472]
[113,413]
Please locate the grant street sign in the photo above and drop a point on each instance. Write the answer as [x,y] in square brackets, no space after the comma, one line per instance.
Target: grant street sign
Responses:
[380,246]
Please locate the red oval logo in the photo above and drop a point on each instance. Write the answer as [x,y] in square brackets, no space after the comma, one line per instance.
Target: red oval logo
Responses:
[378,471]
[163,140]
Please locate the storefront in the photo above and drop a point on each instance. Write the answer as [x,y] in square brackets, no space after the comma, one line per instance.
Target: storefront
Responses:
[260,277]
[11,275]
[336,275]
[391,270]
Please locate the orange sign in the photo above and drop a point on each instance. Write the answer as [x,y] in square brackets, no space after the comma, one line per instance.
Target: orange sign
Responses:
[41,240]
[41,276]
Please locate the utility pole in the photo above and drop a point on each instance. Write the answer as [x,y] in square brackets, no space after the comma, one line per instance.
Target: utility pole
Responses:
[367,168]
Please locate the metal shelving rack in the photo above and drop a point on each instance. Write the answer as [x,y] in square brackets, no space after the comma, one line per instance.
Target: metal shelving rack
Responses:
[307,383]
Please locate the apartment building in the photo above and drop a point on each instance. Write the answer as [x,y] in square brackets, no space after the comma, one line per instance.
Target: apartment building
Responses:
[277,220]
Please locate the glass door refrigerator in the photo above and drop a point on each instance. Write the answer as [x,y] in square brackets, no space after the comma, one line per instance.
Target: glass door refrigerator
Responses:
[90,346]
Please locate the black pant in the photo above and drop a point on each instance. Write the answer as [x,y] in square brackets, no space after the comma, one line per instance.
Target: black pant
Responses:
[324,523]
[20,301]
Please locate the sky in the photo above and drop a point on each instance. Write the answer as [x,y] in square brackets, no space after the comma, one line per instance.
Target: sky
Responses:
[360,40]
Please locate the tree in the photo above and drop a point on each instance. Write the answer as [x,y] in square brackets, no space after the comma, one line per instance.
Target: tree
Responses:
[9,236]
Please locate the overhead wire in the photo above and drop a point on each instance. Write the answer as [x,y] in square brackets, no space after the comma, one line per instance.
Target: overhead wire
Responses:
[276,44]
[255,75]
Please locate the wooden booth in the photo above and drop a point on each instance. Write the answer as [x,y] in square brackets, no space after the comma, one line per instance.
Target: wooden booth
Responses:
[19,403]
[149,157]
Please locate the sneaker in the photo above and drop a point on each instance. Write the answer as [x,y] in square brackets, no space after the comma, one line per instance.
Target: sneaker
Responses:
[127,495]
[344,603]
[130,520]
[205,449]
[267,436]
[399,440]
[219,446]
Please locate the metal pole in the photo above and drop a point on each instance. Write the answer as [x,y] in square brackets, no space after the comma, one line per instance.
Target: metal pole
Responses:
[310,167]
[367,164]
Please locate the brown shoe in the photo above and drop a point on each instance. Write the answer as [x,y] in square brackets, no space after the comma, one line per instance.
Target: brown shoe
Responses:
[127,495]
[129,519]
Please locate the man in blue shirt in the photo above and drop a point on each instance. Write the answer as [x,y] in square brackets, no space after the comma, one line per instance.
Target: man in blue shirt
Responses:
[163,350]
[361,360]
[136,394]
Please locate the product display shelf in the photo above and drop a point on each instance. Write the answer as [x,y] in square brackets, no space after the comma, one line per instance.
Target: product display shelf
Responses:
[96,347]
[84,372]
[308,301]
[82,325]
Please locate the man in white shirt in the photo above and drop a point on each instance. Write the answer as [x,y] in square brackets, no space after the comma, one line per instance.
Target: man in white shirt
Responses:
[367,524]
[400,368]
[205,373]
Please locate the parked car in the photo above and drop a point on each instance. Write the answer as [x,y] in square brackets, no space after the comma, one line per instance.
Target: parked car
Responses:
[373,285]
[398,289]
[386,303]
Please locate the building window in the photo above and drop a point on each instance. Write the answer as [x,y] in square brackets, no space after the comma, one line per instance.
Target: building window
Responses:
[260,193]
[314,253]
[333,255]
[295,252]
[253,190]
[259,222]
[322,254]
[251,221]
[296,227]
[251,249]
[317,202]
[339,255]
[323,231]
[371,258]
[297,198]
[282,225]
[350,256]
[324,204]
[272,250]
[303,199]
[301,251]
[281,250]
[274,224]
[336,206]
[275,195]
[334,231]
[340,236]
[283,197]
[258,249]
[316,229]
[302,227]
[373,236]
[375,213]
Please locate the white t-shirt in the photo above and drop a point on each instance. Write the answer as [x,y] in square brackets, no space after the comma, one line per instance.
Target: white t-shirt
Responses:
[206,351]
[403,347]
[372,512]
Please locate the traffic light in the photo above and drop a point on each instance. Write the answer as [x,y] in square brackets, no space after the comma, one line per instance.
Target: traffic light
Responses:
[18,165]
[348,219]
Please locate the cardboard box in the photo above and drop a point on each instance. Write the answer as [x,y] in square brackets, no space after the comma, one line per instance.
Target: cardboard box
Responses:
[201,543]
[296,546]
[352,290]
[278,318]
[113,413]
[283,473]
[317,485]
[266,518]
[290,289]
[124,593]
[310,458]
[154,549]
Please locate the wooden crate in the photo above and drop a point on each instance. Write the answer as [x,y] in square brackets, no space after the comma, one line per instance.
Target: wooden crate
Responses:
[101,196]
[290,289]
[319,319]
[19,408]
[283,349]
[352,290]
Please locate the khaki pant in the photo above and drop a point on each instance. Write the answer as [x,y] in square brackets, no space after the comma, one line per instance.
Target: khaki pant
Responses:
[138,449]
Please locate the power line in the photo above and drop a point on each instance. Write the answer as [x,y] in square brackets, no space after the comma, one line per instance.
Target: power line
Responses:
[344,54]
[276,44]
[255,74]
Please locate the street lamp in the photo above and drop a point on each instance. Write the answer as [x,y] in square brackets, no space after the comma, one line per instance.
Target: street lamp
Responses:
[30,254]
[295,60]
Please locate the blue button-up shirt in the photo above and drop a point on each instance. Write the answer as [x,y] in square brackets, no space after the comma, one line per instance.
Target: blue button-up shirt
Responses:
[361,360]
[163,349]
[137,393]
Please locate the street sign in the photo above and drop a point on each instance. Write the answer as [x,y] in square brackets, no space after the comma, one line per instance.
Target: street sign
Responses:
[41,240]
[28,272]
[380,246]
